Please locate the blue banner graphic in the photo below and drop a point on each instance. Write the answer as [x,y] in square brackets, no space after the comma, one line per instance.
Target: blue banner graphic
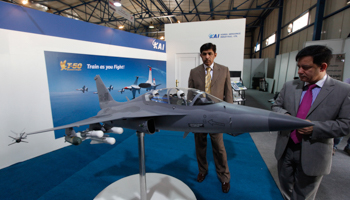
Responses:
[73,92]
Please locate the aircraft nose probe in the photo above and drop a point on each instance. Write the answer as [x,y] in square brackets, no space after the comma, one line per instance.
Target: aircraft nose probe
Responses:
[277,122]
[19,139]
[257,120]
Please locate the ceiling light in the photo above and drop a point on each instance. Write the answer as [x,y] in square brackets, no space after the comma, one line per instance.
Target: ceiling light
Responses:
[25,2]
[161,37]
[348,3]
[151,25]
[178,21]
[121,27]
[117,3]
[165,16]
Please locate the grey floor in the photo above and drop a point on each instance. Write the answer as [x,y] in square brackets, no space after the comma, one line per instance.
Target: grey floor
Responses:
[333,186]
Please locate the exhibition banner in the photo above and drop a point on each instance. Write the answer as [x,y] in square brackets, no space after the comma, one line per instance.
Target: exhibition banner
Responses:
[72,87]
[29,20]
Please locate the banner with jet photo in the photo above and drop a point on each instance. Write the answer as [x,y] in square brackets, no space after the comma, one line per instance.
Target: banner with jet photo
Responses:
[73,92]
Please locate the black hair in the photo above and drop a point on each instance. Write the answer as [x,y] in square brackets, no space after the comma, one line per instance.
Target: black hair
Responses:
[320,54]
[208,46]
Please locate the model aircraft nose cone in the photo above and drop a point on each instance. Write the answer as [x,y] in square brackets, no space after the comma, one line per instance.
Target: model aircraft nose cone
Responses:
[279,122]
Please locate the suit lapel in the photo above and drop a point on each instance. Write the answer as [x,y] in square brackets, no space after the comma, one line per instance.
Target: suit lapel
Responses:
[216,74]
[325,91]
[297,95]
[201,73]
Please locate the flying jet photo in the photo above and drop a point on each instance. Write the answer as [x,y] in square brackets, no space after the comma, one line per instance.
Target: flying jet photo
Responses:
[133,88]
[175,109]
[83,89]
[110,88]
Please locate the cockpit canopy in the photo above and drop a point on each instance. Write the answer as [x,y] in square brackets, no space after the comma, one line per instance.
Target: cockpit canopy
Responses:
[181,96]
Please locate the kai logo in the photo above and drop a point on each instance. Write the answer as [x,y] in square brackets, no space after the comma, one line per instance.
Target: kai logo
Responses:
[70,66]
[214,36]
[157,45]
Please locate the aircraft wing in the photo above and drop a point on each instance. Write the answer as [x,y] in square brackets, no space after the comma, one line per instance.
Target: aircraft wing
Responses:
[107,117]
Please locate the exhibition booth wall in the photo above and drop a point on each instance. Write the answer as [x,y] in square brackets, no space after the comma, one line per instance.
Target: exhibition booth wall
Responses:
[45,61]
[185,39]
[283,68]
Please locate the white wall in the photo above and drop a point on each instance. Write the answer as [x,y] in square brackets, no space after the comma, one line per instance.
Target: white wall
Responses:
[25,102]
[189,37]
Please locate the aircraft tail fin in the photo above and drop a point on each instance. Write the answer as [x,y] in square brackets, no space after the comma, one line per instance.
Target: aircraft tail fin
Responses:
[137,78]
[150,74]
[104,97]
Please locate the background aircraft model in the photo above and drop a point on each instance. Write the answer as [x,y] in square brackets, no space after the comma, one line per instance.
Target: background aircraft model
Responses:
[110,88]
[83,89]
[133,88]
[187,110]
[149,85]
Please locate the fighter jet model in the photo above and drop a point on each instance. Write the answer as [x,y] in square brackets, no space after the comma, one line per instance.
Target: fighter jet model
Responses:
[174,109]
[132,88]
[83,89]
[149,85]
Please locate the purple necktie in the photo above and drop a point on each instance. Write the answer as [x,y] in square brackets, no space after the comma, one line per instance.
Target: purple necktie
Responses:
[304,108]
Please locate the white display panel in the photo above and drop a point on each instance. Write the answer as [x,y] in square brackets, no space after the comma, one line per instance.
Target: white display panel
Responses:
[336,45]
[25,102]
[283,71]
[277,72]
[292,66]
[247,68]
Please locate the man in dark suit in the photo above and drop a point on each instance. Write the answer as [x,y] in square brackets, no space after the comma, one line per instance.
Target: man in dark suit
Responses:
[217,79]
[305,155]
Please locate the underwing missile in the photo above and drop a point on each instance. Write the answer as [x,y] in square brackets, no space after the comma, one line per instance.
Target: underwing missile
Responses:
[107,140]
[93,133]
[116,130]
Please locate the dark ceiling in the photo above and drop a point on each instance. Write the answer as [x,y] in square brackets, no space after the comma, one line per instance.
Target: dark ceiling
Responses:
[157,12]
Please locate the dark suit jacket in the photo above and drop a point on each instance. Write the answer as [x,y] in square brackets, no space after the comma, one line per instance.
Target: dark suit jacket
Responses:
[330,113]
[220,82]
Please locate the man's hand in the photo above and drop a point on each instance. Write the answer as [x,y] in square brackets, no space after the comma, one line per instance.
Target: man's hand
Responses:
[306,130]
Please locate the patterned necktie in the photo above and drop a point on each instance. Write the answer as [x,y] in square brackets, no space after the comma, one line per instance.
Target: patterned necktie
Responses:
[207,80]
[304,108]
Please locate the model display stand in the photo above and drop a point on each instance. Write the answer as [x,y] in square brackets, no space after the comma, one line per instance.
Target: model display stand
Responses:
[160,186]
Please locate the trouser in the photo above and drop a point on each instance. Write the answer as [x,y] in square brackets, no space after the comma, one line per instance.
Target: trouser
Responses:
[294,183]
[219,153]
